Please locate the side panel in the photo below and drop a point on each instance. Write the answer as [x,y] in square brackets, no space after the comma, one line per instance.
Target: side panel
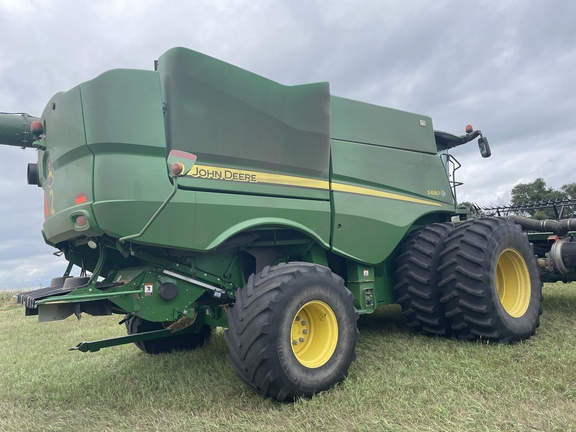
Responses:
[371,124]
[221,215]
[65,168]
[378,193]
[125,130]
[239,123]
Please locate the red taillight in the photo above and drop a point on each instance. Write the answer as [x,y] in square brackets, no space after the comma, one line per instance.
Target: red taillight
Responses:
[80,198]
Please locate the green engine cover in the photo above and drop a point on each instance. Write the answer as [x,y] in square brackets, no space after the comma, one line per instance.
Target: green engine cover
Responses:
[352,177]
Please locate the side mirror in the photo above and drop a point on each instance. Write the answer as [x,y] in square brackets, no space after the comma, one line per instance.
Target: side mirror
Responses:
[180,163]
[484,147]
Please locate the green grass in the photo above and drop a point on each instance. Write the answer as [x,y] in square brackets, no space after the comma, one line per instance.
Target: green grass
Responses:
[400,381]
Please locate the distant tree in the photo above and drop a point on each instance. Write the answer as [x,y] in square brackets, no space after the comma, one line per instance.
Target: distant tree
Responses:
[570,190]
[538,192]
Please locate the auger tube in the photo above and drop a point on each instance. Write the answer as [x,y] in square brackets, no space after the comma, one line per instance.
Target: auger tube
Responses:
[15,129]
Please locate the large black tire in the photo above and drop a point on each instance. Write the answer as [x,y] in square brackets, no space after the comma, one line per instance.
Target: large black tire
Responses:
[184,342]
[292,331]
[417,279]
[491,281]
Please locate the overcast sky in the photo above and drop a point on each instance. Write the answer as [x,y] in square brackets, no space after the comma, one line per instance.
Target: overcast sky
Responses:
[506,67]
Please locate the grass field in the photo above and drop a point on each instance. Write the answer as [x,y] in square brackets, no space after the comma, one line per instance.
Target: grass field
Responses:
[400,381]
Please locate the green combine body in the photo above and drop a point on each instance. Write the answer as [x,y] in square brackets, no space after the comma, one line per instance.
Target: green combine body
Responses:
[200,195]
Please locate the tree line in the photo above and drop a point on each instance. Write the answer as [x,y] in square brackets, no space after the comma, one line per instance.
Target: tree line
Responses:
[539,192]
[535,200]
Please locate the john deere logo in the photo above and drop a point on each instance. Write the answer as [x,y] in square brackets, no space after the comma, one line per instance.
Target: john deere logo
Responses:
[215,173]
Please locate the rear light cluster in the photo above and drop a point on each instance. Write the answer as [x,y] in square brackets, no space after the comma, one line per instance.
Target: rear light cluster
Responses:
[81,221]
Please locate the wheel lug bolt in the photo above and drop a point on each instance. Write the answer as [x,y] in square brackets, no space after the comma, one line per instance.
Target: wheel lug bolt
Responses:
[294,342]
[298,318]
[304,323]
[302,339]
[305,331]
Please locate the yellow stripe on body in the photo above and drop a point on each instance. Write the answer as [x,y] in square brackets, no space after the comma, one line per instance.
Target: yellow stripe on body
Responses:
[339,187]
[246,176]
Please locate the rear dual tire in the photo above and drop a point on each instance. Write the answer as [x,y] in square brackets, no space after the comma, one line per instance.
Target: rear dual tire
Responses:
[417,278]
[491,283]
[477,280]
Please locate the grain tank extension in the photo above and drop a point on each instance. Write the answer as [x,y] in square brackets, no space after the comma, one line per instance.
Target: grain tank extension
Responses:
[199,194]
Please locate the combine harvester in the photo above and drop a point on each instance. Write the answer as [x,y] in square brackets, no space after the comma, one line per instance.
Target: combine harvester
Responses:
[199,195]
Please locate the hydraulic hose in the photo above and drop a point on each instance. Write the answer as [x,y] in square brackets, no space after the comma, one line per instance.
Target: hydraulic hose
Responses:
[560,228]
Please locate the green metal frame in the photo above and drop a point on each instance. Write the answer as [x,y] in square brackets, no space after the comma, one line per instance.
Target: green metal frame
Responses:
[282,173]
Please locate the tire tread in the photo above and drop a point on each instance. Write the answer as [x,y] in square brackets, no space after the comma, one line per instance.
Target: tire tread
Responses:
[417,279]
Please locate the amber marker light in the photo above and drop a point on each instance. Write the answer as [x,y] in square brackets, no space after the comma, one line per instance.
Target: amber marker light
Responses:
[469,129]
[36,128]
[177,168]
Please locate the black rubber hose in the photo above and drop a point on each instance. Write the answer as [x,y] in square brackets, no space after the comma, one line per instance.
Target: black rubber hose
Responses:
[560,228]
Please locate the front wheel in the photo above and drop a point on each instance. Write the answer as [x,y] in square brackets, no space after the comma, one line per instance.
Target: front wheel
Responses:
[491,281]
[292,331]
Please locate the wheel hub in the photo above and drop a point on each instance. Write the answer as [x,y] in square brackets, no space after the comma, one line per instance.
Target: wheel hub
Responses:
[513,282]
[314,334]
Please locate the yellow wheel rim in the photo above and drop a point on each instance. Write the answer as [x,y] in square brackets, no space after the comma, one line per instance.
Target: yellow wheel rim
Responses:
[314,334]
[513,282]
